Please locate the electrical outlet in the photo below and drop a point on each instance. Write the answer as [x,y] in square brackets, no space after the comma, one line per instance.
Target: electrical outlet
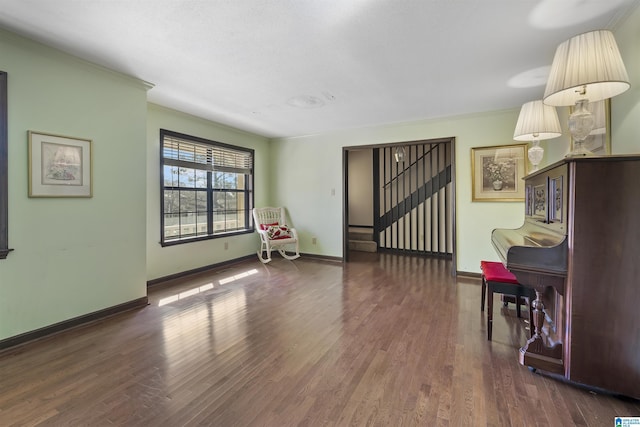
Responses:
[226,245]
[314,240]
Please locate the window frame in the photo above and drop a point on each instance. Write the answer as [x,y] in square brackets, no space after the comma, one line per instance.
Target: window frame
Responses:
[210,190]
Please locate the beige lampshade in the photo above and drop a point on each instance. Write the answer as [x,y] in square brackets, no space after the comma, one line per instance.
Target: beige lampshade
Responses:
[587,66]
[537,121]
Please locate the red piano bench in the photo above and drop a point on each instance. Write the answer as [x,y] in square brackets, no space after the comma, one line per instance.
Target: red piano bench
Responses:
[496,278]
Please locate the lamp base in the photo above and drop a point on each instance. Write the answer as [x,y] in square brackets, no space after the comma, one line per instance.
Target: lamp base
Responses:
[579,150]
[535,154]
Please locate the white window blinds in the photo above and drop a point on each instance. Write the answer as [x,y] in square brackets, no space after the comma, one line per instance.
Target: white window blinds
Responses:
[184,153]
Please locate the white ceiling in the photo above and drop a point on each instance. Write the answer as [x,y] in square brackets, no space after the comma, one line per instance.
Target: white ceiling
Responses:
[283,68]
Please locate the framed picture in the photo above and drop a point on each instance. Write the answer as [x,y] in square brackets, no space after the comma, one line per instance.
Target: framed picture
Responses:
[59,166]
[497,173]
[555,192]
[599,140]
[540,202]
[528,202]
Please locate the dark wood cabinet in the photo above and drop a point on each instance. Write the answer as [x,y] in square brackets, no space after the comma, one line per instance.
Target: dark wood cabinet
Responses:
[588,210]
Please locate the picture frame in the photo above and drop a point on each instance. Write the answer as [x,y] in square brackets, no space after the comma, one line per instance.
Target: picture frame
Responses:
[555,193]
[599,140]
[528,202]
[540,202]
[59,166]
[497,173]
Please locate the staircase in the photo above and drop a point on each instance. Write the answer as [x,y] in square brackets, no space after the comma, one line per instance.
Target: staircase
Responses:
[361,239]
[414,200]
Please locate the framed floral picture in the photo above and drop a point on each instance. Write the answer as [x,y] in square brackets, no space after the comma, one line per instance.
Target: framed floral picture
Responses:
[497,173]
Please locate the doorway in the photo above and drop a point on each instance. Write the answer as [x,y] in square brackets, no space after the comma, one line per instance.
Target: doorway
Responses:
[400,198]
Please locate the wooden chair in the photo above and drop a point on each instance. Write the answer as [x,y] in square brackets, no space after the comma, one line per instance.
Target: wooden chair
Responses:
[496,278]
[271,225]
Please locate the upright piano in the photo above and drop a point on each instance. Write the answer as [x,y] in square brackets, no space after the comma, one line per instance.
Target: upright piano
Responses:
[579,249]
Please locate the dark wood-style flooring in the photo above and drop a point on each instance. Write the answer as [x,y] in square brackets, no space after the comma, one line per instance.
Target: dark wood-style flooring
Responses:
[384,340]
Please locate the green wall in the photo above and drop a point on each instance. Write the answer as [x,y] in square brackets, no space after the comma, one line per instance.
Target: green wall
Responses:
[72,256]
[625,108]
[76,256]
[307,191]
[165,261]
[313,168]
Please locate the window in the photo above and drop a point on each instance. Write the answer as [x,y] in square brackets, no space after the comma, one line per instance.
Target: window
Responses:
[207,188]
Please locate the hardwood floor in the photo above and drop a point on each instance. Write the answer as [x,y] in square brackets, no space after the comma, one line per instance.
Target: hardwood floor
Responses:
[383,340]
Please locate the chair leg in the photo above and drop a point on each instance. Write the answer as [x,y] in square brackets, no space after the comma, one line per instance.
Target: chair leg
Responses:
[263,259]
[484,292]
[489,310]
[264,248]
[518,292]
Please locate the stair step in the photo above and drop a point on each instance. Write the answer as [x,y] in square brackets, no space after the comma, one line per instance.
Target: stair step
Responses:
[363,245]
[361,235]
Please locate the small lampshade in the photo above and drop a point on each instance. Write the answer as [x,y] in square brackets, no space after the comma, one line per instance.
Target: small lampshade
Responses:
[587,66]
[537,121]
